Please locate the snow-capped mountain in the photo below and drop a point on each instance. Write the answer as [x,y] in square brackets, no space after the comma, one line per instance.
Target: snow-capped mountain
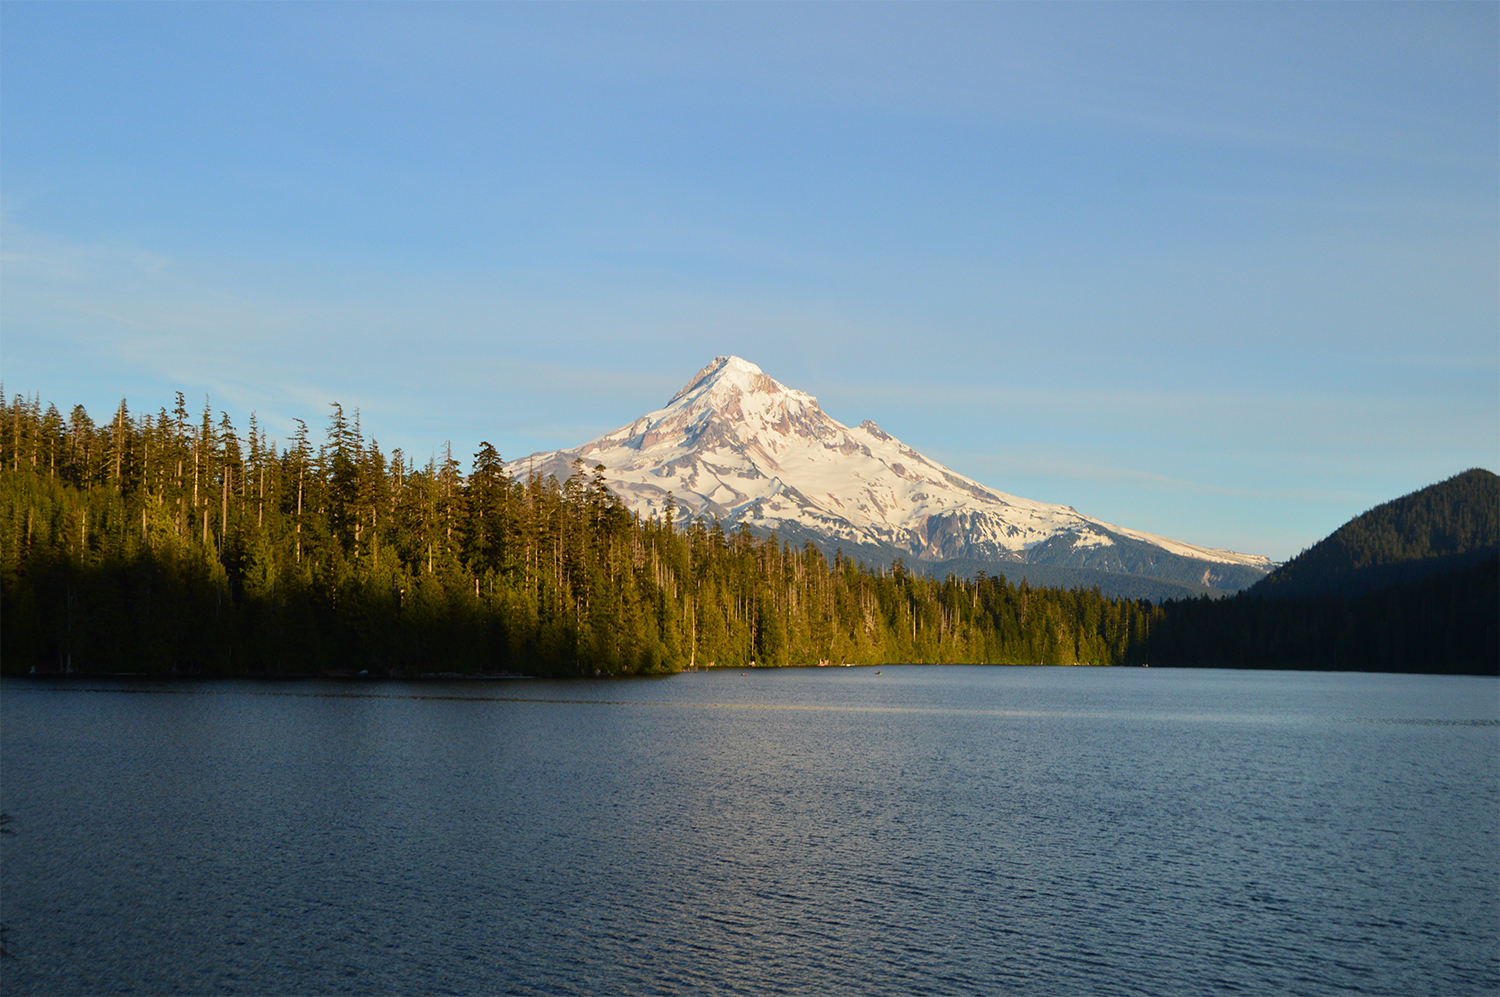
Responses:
[736,445]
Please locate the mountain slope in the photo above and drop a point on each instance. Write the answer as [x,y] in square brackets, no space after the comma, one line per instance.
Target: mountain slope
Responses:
[738,446]
[1443,527]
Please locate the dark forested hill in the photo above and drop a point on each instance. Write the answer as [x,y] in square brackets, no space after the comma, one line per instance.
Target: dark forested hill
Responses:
[1412,586]
[1444,527]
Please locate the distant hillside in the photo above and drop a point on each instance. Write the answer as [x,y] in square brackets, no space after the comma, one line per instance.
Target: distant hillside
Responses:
[1445,527]
[1117,583]
[1111,583]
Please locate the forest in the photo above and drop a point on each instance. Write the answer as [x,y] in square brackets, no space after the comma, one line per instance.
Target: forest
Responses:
[1447,623]
[172,543]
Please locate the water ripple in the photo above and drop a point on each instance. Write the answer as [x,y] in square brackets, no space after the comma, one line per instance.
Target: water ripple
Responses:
[938,831]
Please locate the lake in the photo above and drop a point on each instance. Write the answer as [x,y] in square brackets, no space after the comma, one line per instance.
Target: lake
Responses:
[900,830]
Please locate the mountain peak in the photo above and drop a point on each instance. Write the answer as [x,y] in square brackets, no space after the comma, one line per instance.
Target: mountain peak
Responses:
[728,378]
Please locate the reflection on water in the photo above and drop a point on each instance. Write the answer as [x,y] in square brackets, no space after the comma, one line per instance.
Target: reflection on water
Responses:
[919,830]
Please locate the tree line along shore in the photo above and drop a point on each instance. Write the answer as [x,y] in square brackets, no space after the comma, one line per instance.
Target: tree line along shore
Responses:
[169,543]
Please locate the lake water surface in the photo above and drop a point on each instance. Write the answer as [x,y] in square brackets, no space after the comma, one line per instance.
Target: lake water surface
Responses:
[902,830]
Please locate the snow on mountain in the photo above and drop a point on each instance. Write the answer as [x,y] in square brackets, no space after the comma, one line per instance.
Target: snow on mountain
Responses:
[737,445]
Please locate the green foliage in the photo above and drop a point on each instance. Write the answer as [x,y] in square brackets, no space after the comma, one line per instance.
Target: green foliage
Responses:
[168,545]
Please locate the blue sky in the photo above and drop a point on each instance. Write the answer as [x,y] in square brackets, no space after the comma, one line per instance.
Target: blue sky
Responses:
[1225,272]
